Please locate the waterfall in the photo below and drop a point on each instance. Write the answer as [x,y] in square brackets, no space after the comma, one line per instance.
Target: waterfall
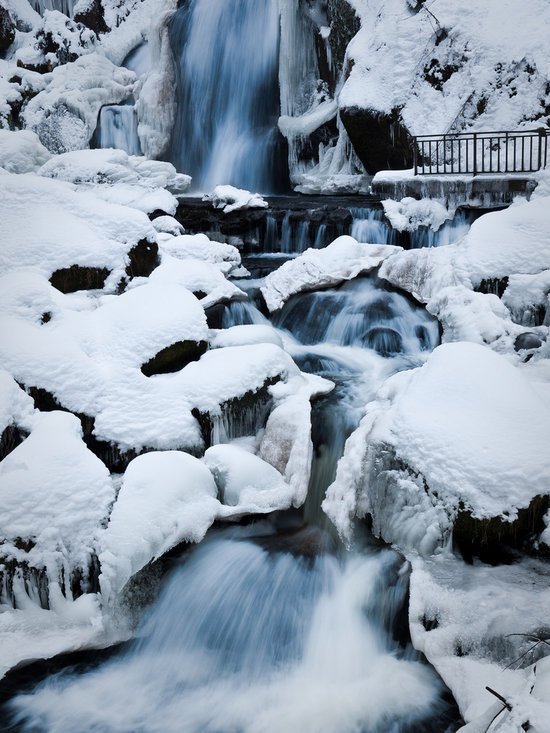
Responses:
[64,6]
[228,96]
[250,636]
[370,225]
[118,128]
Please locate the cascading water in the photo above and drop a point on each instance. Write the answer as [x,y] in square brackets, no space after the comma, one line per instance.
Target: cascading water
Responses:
[246,638]
[118,128]
[228,93]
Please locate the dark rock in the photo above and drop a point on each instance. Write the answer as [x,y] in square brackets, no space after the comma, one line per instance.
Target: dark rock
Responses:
[344,24]
[240,416]
[93,17]
[494,540]
[7,29]
[46,317]
[527,340]
[143,258]
[11,437]
[385,341]
[493,286]
[174,357]
[71,279]
[380,141]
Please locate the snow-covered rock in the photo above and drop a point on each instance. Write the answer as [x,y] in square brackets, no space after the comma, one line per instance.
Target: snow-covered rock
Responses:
[464,432]
[168,225]
[315,269]
[22,151]
[231,199]
[165,499]
[199,247]
[409,214]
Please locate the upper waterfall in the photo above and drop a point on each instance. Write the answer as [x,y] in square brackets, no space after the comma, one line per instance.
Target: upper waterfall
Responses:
[228,94]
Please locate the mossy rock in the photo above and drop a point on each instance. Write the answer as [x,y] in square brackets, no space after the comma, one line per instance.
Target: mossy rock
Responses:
[174,357]
[71,279]
[493,540]
[380,141]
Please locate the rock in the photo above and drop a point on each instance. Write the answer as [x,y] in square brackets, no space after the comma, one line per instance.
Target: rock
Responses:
[11,437]
[71,279]
[92,14]
[492,540]
[380,141]
[174,357]
[7,29]
[385,341]
[527,340]
[344,24]
[144,257]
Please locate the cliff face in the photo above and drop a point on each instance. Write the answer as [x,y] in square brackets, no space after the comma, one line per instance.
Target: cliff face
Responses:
[411,70]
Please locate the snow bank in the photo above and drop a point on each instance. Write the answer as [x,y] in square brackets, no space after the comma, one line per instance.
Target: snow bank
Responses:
[473,623]
[231,199]
[466,429]
[165,499]
[342,260]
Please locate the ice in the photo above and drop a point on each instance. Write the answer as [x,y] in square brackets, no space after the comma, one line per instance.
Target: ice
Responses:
[342,260]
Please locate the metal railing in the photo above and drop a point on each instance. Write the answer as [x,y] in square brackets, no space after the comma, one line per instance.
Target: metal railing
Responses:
[481,152]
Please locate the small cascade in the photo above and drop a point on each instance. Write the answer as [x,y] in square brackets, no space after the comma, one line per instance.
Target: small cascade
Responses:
[228,94]
[449,233]
[139,60]
[370,225]
[118,128]
[247,638]
[64,6]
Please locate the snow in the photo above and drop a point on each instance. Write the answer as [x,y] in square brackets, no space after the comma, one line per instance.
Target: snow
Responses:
[67,227]
[16,407]
[64,115]
[22,151]
[248,334]
[168,224]
[310,121]
[246,480]
[483,75]
[199,247]
[315,269]
[478,439]
[487,613]
[165,499]
[203,278]
[409,214]
[231,199]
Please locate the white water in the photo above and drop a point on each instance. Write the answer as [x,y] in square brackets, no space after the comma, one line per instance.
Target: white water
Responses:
[243,640]
[228,98]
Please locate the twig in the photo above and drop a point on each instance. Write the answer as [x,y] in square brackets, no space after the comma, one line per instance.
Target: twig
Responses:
[499,697]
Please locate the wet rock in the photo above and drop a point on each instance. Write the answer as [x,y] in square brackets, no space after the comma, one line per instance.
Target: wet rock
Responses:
[71,279]
[380,141]
[7,29]
[344,24]
[92,14]
[143,258]
[385,341]
[241,416]
[174,357]
[527,340]
[494,540]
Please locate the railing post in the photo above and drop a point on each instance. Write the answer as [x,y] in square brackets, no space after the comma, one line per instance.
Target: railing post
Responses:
[475,153]
[415,155]
[542,134]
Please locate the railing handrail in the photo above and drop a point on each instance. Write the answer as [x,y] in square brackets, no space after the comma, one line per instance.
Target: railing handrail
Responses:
[485,151]
[542,131]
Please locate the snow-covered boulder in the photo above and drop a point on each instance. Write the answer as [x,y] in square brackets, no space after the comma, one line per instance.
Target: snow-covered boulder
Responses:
[199,247]
[55,494]
[165,499]
[168,225]
[315,269]
[459,440]
[229,198]
[22,151]
[67,229]
[409,214]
